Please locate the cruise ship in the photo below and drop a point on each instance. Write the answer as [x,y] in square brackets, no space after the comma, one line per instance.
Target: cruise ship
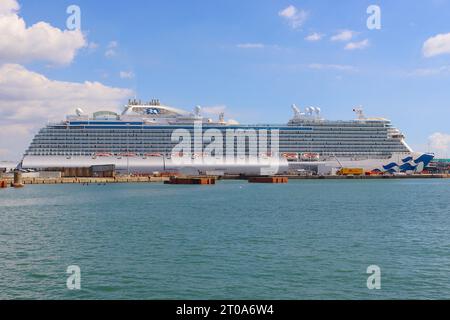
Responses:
[145,138]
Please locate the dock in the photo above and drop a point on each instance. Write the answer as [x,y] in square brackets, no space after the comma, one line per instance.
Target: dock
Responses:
[373,177]
[200,180]
[92,180]
[349,177]
[272,179]
[191,180]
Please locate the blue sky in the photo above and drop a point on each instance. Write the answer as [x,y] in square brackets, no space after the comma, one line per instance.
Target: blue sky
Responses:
[254,61]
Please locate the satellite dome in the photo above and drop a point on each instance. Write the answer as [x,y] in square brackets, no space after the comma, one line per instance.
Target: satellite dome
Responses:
[232,122]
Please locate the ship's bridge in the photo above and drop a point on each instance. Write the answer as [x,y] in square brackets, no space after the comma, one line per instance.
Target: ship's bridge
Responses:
[152,109]
[154,112]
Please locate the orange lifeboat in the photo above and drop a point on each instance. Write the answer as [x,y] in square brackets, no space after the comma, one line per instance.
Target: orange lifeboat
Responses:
[177,155]
[103,154]
[153,155]
[290,156]
[127,154]
[310,156]
[199,155]
[265,155]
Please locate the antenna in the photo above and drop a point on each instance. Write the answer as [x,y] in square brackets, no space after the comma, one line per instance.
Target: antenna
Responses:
[360,113]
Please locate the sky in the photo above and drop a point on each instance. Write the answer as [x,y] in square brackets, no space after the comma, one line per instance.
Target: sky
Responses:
[252,59]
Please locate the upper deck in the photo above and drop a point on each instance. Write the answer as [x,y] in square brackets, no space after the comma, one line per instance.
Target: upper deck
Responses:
[153,113]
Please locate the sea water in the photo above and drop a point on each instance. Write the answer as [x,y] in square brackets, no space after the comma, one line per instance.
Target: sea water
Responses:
[309,239]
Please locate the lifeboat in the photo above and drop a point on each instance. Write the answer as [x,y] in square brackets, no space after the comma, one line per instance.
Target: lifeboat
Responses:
[290,156]
[199,155]
[310,156]
[103,154]
[177,155]
[127,154]
[265,155]
[153,155]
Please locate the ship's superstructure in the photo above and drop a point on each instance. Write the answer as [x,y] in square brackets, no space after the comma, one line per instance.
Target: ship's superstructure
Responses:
[144,132]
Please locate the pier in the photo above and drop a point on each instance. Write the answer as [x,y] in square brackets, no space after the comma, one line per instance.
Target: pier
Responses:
[349,177]
[192,180]
[200,180]
[90,180]
[274,179]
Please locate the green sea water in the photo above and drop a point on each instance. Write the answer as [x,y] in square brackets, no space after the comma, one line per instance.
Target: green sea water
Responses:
[234,240]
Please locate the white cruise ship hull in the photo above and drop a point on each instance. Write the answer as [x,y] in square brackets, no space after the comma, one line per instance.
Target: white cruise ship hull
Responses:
[401,162]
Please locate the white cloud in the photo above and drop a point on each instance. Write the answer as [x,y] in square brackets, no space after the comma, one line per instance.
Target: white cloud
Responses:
[344,35]
[314,37]
[111,49]
[92,46]
[214,110]
[357,45]
[15,138]
[4,153]
[440,144]
[437,45]
[250,46]
[338,67]
[25,94]
[424,72]
[9,7]
[41,41]
[110,53]
[28,100]
[126,75]
[113,44]
[293,16]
